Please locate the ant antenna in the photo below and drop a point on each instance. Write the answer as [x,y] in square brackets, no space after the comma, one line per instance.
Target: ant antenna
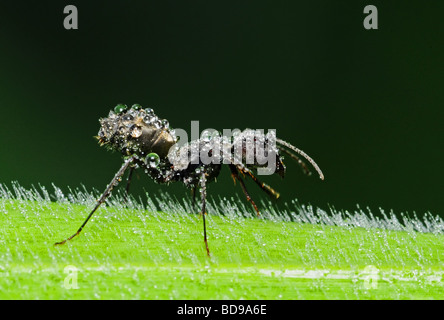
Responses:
[302,153]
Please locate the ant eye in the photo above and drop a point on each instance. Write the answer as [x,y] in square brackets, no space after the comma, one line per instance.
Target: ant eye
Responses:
[136,106]
[101,133]
[152,160]
[120,108]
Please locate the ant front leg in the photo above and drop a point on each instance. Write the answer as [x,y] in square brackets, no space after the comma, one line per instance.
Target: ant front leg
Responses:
[114,182]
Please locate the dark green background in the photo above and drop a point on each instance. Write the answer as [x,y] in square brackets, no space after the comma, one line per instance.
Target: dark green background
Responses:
[366,105]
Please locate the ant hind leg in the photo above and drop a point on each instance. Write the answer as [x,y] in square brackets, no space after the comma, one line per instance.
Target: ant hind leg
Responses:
[203,191]
[235,175]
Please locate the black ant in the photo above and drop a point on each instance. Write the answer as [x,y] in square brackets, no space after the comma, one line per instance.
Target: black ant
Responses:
[146,142]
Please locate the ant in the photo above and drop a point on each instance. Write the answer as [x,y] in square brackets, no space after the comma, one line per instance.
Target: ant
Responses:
[148,142]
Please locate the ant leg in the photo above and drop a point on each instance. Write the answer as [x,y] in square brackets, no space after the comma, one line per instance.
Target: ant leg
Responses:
[265,187]
[203,192]
[234,174]
[128,183]
[114,182]
[193,195]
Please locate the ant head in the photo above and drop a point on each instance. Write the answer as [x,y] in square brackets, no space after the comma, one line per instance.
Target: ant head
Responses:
[136,131]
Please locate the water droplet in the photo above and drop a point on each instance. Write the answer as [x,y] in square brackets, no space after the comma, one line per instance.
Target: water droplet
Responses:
[206,135]
[128,117]
[136,132]
[165,123]
[120,108]
[152,160]
[121,130]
